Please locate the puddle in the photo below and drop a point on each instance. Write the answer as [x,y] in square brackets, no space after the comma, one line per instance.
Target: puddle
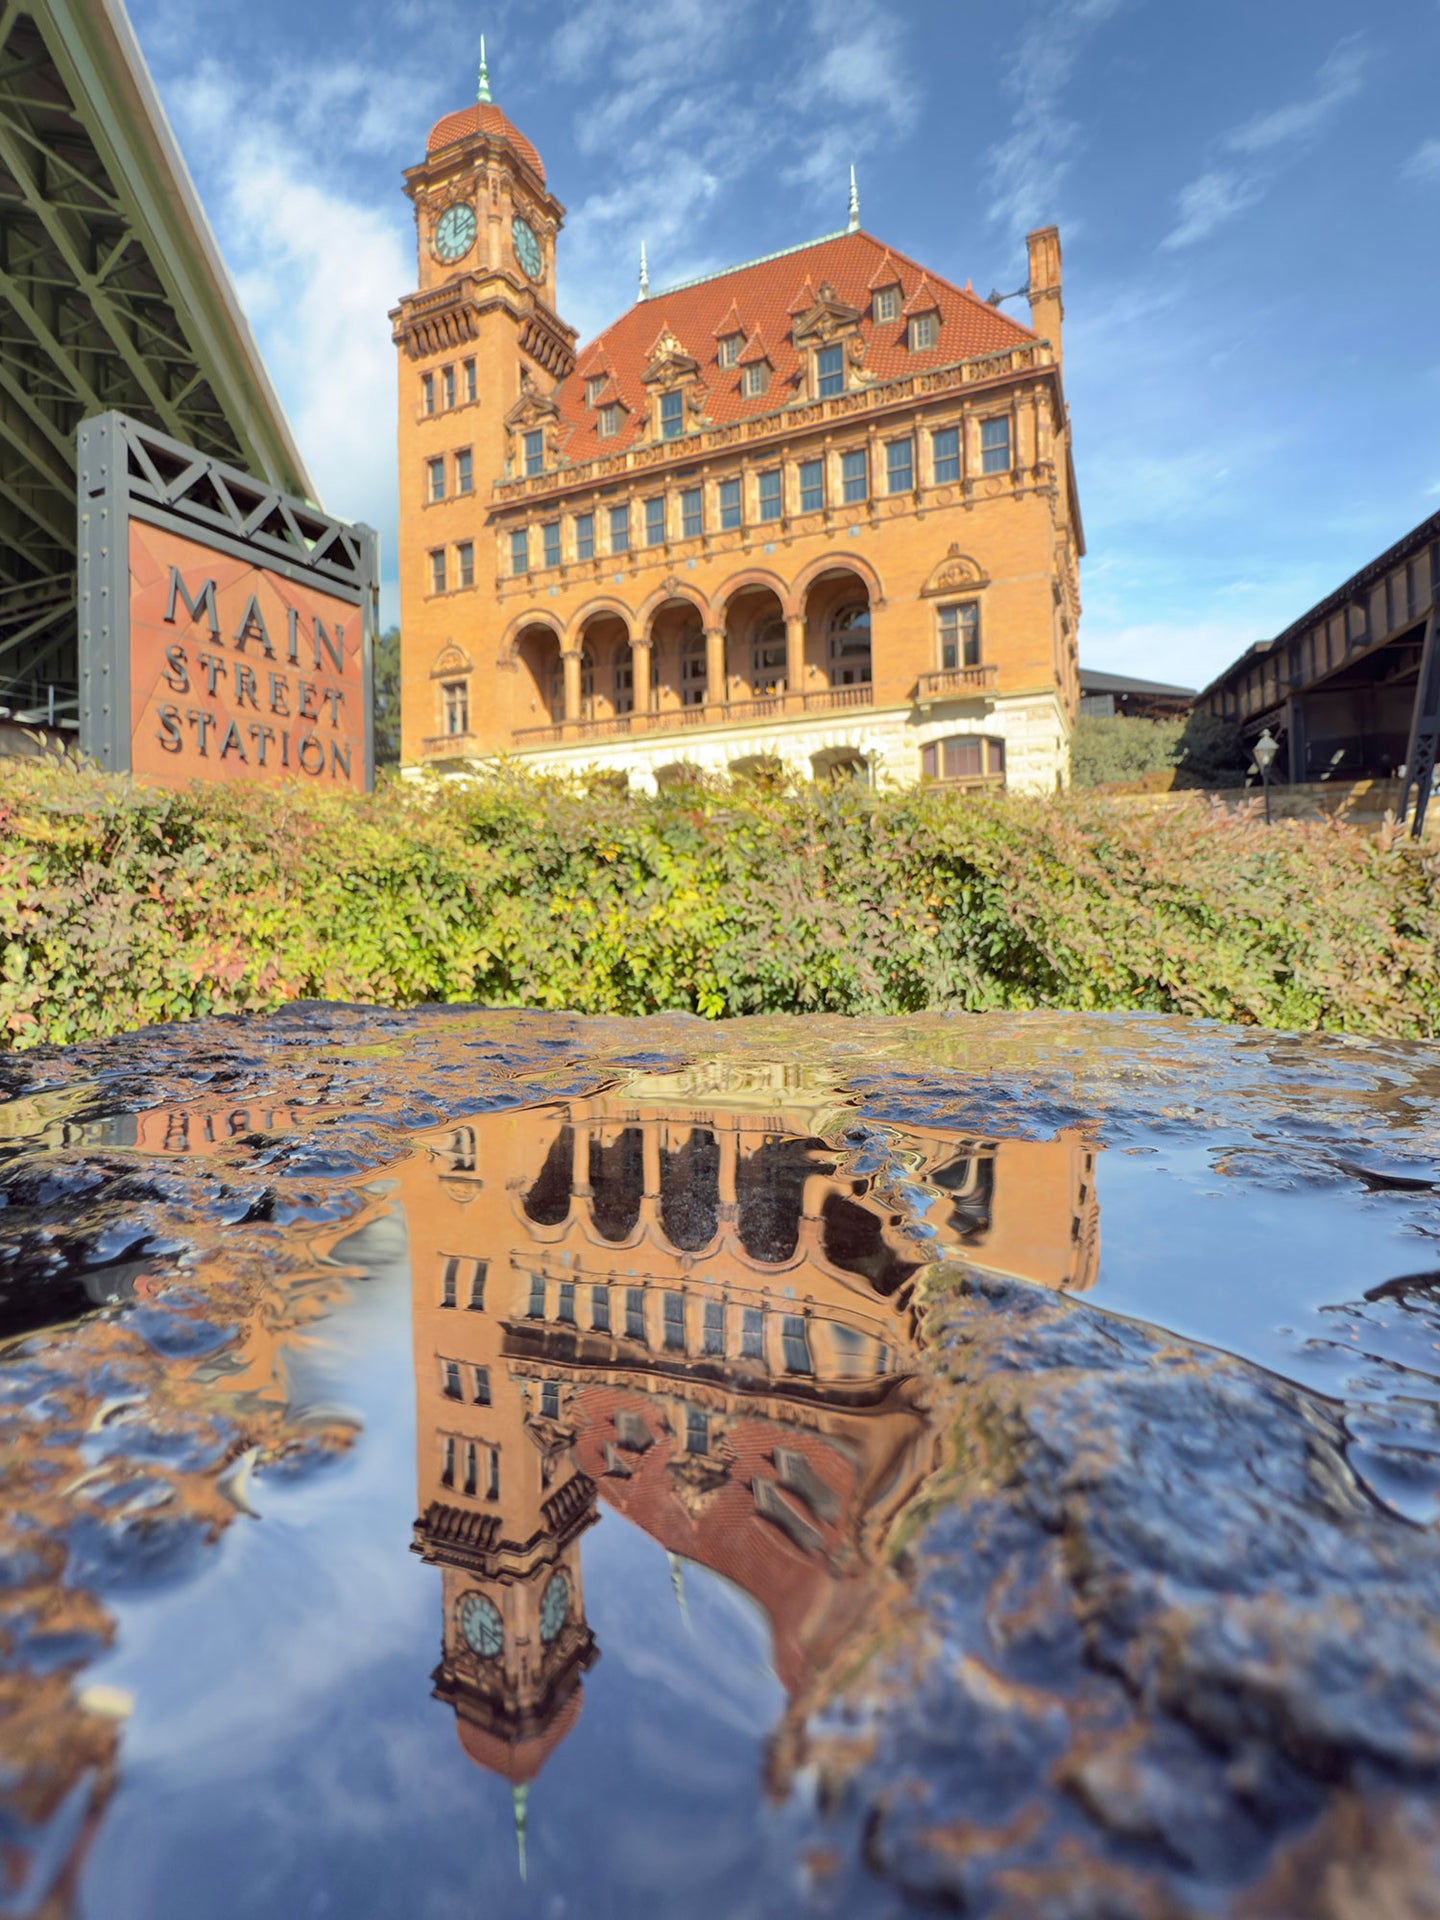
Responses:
[489,1462]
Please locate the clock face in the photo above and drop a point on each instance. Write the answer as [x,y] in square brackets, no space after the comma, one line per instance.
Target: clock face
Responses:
[454,232]
[527,247]
[554,1605]
[481,1625]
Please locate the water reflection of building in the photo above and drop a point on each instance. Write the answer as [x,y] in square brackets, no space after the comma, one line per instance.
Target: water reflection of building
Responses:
[697,1303]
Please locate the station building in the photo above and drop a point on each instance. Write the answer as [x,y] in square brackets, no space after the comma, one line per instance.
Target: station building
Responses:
[820,506]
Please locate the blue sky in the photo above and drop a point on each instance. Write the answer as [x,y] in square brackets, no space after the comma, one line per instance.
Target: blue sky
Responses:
[1248,197]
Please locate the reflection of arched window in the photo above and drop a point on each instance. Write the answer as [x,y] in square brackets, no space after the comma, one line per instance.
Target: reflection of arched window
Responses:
[769,1191]
[690,1191]
[548,1201]
[587,682]
[692,668]
[850,647]
[767,658]
[964,756]
[617,1181]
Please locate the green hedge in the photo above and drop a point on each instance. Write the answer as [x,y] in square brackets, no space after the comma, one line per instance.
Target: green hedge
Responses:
[121,905]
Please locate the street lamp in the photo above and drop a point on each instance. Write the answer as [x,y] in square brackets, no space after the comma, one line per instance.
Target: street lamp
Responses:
[1264,751]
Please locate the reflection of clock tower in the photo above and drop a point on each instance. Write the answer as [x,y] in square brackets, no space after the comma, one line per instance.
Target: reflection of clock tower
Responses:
[479,346]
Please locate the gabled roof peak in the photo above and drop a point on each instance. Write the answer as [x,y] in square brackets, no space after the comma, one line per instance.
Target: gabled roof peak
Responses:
[732,323]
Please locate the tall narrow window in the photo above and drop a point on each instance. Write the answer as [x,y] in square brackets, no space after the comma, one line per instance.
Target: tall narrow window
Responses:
[672,415]
[550,543]
[492,1491]
[449,1281]
[476,1302]
[464,471]
[693,666]
[634,1313]
[584,536]
[452,1380]
[729,503]
[995,445]
[730,349]
[447,385]
[447,1470]
[427,392]
[812,485]
[624,684]
[830,371]
[655,521]
[945,446]
[854,476]
[887,304]
[535,451]
[600,1309]
[960,635]
[697,1430]
[752,1334]
[435,479]
[850,647]
[482,1386]
[593,388]
[755,379]
[692,513]
[520,550]
[565,1306]
[457,721]
[900,465]
[620,529]
[465,563]
[536,1308]
[770,494]
[609,422]
[471,389]
[796,1344]
[437,570]
[713,1340]
[550,1399]
[675,1322]
[922,332]
[472,1468]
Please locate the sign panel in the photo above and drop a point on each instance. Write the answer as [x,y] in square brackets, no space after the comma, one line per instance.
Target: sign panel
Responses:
[226,630]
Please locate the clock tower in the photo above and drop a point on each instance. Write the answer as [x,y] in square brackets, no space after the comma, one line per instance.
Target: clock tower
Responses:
[479,346]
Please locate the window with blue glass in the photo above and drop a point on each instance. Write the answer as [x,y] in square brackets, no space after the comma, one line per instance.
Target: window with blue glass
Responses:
[672,415]
[534,451]
[584,536]
[654,521]
[995,445]
[634,1313]
[520,550]
[900,465]
[945,445]
[812,485]
[697,1430]
[675,1322]
[536,1308]
[692,513]
[713,1339]
[752,1334]
[796,1344]
[854,475]
[565,1306]
[550,1399]
[770,494]
[600,1309]
[830,371]
[729,503]
[550,538]
[620,529]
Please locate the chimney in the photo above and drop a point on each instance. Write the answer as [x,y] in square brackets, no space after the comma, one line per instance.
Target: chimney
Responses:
[1047,309]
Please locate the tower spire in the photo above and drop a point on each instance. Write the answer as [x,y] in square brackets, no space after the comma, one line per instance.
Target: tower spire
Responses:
[854,202]
[644,274]
[482,92]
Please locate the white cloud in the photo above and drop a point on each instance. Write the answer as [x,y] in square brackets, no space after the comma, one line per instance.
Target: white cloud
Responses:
[1424,164]
[1221,192]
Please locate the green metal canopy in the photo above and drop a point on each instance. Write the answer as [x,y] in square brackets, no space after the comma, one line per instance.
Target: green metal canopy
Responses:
[113,296]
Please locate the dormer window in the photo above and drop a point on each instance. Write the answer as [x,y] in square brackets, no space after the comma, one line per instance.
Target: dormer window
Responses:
[755,379]
[922,332]
[830,371]
[593,387]
[730,349]
[609,423]
[535,451]
[887,304]
[672,415]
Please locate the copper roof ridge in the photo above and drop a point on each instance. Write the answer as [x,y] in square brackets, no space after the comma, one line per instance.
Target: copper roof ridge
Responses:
[840,233]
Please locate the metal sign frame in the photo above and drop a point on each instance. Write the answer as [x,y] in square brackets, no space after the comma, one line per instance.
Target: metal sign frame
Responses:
[126,471]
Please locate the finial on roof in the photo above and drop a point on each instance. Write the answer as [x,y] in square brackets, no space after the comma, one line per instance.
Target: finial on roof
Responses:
[519,1794]
[482,92]
[854,203]
[644,274]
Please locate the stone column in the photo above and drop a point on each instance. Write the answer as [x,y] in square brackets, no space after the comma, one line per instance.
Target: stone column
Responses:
[795,652]
[640,672]
[717,687]
[570,660]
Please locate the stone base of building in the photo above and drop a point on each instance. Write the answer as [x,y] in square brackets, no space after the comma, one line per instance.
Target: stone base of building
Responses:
[883,744]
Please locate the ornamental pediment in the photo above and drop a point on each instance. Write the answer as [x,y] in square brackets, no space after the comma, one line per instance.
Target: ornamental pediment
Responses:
[827,316]
[533,408]
[956,573]
[451,660]
[669,361]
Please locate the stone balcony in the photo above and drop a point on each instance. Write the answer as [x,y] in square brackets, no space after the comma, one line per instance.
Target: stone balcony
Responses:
[728,713]
[946,684]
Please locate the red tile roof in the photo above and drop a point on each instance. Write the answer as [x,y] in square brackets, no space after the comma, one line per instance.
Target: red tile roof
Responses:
[769,294]
[485,117]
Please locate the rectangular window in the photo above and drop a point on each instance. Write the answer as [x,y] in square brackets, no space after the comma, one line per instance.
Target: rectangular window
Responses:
[427,392]
[729,503]
[730,349]
[448,1282]
[464,471]
[634,1313]
[675,1322]
[830,371]
[536,1308]
[520,550]
[565,1307]
[472,1467]
[900,465]
[482,1386]
[435,479]
[960,635]
[447,385]
[770,494]
[752,1334]
[471,389]
[620,529]
[713,1340]
[584,536]
[457,711]
[593,388]
[812,485]
[437,570]
[550,1399]
[447,1471]
[887,304]
[492,1492]
[697,1431]
[465,563]
[755,380]
[476,1302]
[535,451]
[654,522]
[995,445]
[672,415]
[692,513]
[922,332]
[452,1379]
[550,543]
[963,757]
[796,1343]
[600,1309]
[609,424]
[854,476]
[945,447]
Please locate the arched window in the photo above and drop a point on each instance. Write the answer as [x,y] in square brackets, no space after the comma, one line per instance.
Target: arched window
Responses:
[974,758]
[767,658]
[692,668]
[849,651]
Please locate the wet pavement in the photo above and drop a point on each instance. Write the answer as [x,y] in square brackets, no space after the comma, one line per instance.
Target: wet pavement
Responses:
[492,1462]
